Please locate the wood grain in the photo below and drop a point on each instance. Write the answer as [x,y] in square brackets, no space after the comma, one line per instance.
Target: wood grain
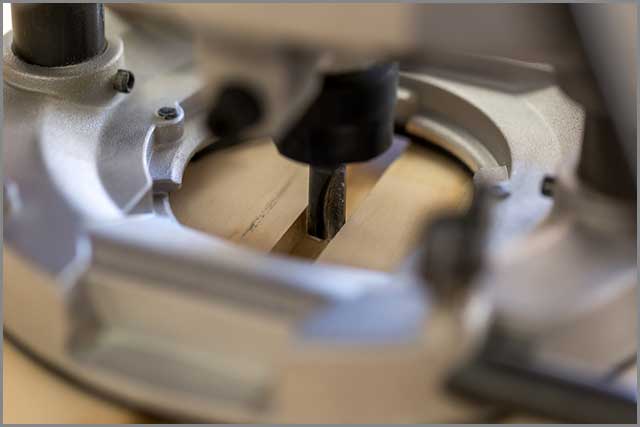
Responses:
[248,194]
[361,178]
[419,185]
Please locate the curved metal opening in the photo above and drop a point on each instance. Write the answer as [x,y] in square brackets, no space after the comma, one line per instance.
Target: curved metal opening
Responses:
[427,111]
[431,109]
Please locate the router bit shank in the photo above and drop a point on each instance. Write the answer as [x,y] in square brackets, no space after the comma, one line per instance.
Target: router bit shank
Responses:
[351,120]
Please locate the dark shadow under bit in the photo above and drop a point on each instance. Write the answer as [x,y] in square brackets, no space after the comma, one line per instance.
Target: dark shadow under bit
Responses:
[327,201]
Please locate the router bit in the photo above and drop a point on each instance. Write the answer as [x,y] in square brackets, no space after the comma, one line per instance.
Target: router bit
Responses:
[351,120]
[327,201]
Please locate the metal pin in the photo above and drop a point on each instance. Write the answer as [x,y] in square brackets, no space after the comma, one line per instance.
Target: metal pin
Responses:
[327,200]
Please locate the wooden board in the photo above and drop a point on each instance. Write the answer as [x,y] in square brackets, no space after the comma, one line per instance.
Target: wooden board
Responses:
[31,394]
[419,185]
[248,194]
[360,180]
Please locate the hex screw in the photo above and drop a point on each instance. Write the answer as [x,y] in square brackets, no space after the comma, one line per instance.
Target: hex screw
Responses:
[123,81]
[547,186]
[167,113]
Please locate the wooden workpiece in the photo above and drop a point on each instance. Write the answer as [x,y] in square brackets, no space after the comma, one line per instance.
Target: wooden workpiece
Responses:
[252,196]
[247,194]
[31,394]
[419,185]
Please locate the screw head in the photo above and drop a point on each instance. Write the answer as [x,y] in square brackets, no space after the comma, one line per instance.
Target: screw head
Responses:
[167,113]
[547,186]
[123,81]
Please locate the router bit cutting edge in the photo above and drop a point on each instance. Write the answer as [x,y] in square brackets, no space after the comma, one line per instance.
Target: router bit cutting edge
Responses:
[327,201]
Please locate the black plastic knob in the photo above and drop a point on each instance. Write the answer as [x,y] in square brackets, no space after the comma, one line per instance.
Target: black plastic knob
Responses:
[351,120]
[236,108]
